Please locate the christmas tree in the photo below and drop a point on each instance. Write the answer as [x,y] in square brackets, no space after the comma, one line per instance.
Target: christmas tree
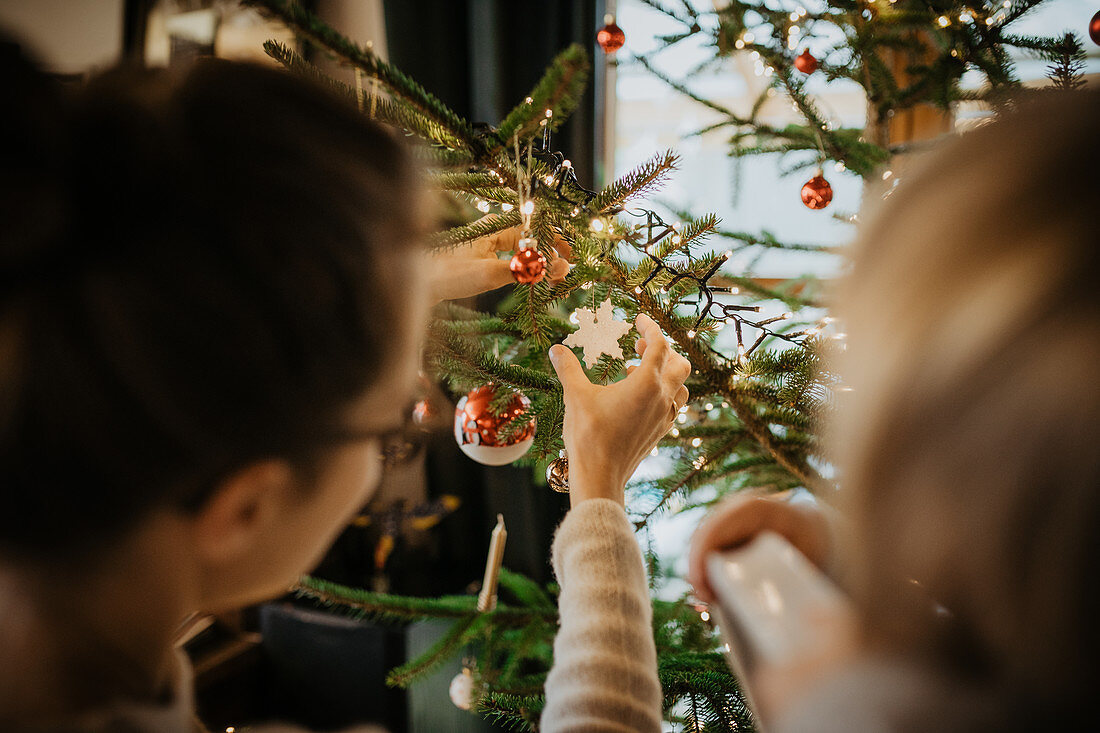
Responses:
[757,404]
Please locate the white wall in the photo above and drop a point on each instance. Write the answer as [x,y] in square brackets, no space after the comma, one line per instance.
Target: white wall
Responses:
[67,36]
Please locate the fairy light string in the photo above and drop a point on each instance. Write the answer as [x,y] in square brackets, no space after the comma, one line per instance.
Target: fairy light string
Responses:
[656,231]
[561,181]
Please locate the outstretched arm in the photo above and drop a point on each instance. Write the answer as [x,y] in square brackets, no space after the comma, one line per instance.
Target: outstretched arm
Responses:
[604,677]
[605,665]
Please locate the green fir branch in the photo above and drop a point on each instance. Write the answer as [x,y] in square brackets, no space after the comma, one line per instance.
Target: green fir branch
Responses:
[445,647]
[382,606]
[638,182]
[380,108]
[513,712]
[490,368]
[1066,70]
[307,25]
[482,227]
[559,90]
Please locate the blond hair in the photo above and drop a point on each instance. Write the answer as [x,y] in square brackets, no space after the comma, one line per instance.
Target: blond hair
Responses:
[968,446]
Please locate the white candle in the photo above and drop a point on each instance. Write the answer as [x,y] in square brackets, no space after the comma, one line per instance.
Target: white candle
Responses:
[487,599]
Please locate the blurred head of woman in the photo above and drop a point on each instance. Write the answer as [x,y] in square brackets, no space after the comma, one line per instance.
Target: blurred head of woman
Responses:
[967,446]
[208,297]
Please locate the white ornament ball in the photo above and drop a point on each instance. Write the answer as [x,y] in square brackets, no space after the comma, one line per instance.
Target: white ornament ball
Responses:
[462,690]
[477,428]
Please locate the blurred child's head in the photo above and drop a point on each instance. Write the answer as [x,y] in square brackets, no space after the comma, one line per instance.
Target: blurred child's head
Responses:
[968,446]
[208,294]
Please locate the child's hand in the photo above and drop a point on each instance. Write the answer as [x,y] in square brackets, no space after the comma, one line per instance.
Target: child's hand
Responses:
[741,518]
[474,267]
[609,429]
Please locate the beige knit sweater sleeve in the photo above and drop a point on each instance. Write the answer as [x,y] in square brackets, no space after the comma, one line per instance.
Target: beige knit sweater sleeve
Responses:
[604,676]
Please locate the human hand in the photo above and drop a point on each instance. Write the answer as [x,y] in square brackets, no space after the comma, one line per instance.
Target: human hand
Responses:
[738,520]
[608,430]
[473,267]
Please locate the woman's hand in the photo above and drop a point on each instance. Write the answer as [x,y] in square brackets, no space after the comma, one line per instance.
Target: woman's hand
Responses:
[474,267]
[609,429]
[741,518]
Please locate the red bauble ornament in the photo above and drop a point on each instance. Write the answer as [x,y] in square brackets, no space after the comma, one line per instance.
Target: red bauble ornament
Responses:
[430,407]
[528,266]
[817,193]
[611,37]
[423,413]
[477,427]
[1094,28]
[805,62]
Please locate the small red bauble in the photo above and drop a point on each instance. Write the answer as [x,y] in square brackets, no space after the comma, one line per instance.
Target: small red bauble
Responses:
[1094,28]
[817,193]
[426,412]
[423,413]
[477,427]
[611,37]
[528,266]
[805,62]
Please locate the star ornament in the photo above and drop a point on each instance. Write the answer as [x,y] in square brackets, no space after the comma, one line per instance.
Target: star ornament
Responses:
[599,333]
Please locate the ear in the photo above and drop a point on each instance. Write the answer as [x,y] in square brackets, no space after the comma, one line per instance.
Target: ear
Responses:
[241,509]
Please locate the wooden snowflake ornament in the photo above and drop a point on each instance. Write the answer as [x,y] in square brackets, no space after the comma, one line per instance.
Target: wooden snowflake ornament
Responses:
[599,333]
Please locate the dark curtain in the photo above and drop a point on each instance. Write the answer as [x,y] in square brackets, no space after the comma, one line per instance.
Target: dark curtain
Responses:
[482,57]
